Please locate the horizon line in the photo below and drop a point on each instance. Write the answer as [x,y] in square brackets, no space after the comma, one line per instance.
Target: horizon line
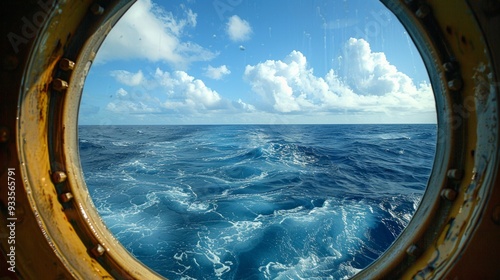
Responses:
[232,124]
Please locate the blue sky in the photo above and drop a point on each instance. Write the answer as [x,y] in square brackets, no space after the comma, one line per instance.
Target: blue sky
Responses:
[273,62]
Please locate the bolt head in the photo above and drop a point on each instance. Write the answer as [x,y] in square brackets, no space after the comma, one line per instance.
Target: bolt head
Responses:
[449,67]
[98,250]
[449,194]
[455,174]
[97,9]
[60,85]
[66,64]
[59,177]
[413,250]
[423,11]
[455,84]
[66,197]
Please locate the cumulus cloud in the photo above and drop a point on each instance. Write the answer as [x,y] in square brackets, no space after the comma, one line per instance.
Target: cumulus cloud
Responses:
[132,103]
[372,85]
[217,73]
[368,86]
[128,78]
[238,29]
[244,107]
[121,92]
[184,90]
[130,107]
[370,73]
[148,32]
[163,92]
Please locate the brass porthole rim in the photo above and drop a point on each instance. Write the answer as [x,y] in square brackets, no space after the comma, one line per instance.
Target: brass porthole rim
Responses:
[47,144]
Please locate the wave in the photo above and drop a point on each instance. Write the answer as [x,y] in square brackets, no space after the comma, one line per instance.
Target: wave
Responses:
[87,145]
[257,202]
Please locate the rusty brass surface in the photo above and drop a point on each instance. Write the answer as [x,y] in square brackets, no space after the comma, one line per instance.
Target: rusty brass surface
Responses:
[455,233]
[58,233]
[452,227]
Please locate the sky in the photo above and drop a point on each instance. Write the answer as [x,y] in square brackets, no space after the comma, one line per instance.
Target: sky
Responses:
[257,62]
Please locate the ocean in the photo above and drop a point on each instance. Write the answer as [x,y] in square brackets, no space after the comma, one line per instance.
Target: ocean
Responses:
[257,201]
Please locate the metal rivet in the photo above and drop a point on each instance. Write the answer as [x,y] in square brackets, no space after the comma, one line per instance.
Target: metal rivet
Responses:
[98,251]
[449,194]
[66,64]
[423,11]
[449,67]
[97,9]
[59,177]
[455,84]
[60,85]
[66,197]
[455,174]
[413,250]
[4,134]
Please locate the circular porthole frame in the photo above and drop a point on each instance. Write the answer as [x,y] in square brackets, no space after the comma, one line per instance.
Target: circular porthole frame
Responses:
[48,47]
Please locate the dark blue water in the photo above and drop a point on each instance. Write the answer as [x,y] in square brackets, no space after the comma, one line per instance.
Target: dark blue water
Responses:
[257,201]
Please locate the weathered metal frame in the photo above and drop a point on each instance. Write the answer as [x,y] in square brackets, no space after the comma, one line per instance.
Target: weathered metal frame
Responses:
[463,188]
[454,233]
[59,234]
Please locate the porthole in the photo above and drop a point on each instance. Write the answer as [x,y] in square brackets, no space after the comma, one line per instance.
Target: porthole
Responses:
[269,149]
[455,225]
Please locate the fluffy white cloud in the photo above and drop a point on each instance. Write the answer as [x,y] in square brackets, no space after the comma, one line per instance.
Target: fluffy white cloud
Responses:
[130,107]
[186,91]
[174,92]
[288,86]
[132,103]
[286,89]
[238,29]
[127,78]
[217,73]
[372,85]
[121,92]
[243,107]
[370,73]
[146,31]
